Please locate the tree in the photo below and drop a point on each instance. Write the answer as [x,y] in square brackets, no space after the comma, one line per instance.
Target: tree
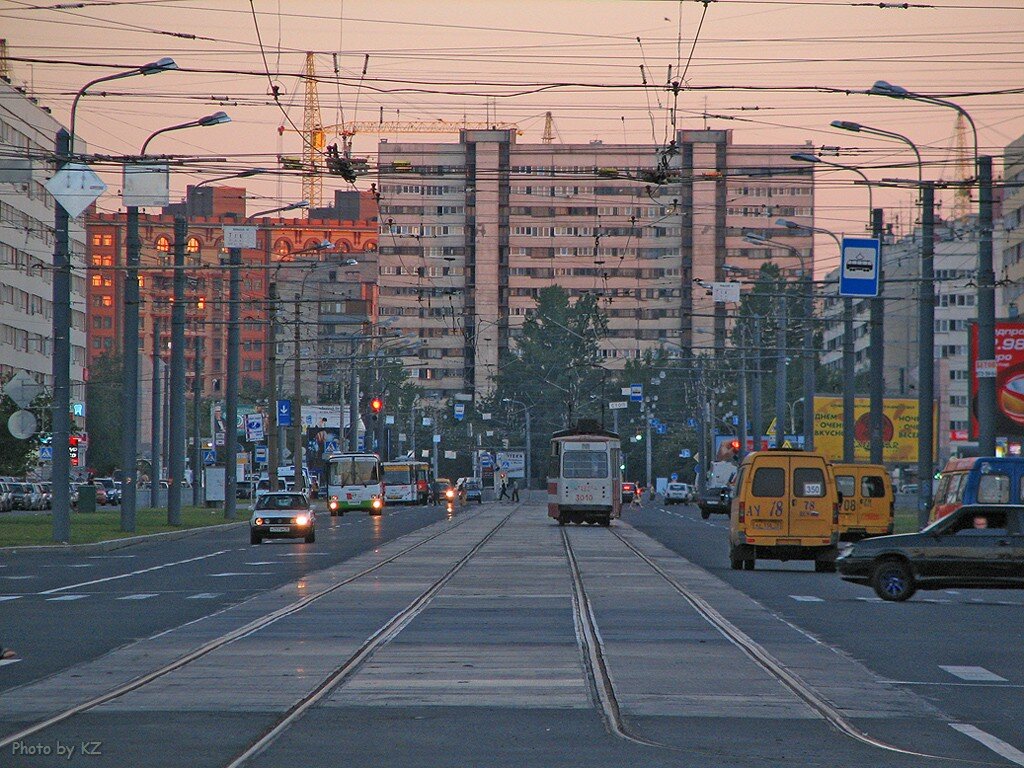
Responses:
[103,411]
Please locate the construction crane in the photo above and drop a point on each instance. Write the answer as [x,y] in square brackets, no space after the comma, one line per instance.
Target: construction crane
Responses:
[549,129]
[962,165]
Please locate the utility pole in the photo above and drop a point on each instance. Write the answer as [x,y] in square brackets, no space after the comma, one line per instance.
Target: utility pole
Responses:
[156,413]
[272,429]
[743,402]
[61,363]
[780,370]
[648,411]
[297,461]
[986,311]
[849,379]
[877,349]
[809,361]
[231,393]
[197,443]
[130,372]
[176,394]
[926,357]
[353,403]
[758,416]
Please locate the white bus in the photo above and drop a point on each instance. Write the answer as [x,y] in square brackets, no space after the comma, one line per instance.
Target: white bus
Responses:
[406,482]
[354,481]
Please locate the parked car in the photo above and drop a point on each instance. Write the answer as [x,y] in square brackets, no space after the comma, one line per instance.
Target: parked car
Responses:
[6,500]
[47,495]
[280,514]
[21,495]
[113,492]
[678,493]
[974,547]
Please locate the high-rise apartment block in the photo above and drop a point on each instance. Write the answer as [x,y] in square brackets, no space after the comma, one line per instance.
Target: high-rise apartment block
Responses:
[471,231]
[27,136]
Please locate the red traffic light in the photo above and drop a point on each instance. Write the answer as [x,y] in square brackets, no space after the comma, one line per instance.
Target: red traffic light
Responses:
[735,445]
[376,405]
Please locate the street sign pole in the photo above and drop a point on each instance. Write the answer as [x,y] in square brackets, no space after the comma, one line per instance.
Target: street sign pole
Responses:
[61,369]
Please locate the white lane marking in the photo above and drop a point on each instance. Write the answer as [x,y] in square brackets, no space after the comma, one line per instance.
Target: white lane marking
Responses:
[305,554]
[203,596]
[998,746]
[65,597]
[70,565]
[974,674]
[15,578]
[247,573]
[141,596]
[807,599]
[263,562]
[111,557]
[133,573]
[952,685]
[4,598]
[4,662]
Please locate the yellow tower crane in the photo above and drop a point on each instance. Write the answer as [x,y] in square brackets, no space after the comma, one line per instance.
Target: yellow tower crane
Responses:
[962,160]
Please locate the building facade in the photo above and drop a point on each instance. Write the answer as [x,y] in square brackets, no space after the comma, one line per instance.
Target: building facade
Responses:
[27,136]
[472,231]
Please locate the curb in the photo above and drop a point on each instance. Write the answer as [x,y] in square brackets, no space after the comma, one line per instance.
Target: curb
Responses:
[112,544]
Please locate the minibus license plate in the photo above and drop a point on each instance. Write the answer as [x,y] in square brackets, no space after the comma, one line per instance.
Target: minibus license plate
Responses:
[768,525]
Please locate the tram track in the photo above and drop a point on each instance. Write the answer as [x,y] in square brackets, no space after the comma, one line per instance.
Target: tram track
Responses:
[384,634]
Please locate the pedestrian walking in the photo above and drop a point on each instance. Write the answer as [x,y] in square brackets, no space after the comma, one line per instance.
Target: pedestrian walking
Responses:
[503,490]
[515,490]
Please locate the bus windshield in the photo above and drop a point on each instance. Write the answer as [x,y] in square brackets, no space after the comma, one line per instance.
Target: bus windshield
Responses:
[398,475]
[355,470]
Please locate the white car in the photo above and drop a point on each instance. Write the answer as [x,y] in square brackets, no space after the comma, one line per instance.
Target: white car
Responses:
[678,493]
[279,514]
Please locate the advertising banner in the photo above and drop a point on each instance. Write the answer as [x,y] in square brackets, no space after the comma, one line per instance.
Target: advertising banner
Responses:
[1009,376]
[899,428]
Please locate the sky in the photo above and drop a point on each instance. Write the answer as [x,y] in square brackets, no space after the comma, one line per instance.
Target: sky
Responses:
[774,71]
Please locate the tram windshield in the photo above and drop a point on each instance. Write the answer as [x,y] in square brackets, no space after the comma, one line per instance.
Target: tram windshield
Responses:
[584,464]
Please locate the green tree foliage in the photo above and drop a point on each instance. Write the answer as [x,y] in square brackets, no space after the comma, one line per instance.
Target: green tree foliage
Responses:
[16,456]
[103,411]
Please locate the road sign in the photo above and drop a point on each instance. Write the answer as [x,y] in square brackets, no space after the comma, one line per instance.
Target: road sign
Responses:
[684,453]
[332,446]
[674,476]
[618,405]
[46,453]
[262,454]
[860,269]
[485,460]
[23,389]
[146,185]
[437,438]
[240,237]
[636,392]
[662,429]
[219,438]
[727,293]
[389,420]
[75,186]
[460,411]
[284,413]
[22,425]
[450,454]
[985,369]
[254,427]
[209,458]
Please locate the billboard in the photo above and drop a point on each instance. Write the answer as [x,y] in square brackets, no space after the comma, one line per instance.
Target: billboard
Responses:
[1009,375]
[899,428]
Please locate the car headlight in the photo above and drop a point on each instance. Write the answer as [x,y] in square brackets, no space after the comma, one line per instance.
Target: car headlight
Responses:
[377,503]
[302,520]
[450,493]
[333,504]
[258,521]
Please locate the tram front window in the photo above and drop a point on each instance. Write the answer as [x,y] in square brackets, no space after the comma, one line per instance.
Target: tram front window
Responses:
[584,464]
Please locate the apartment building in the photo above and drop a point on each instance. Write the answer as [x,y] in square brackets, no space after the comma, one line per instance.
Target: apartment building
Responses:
[27,135]
[470,232]
[1013,221]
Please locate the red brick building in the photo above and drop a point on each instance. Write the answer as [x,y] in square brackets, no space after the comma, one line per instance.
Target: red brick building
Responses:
[278,239]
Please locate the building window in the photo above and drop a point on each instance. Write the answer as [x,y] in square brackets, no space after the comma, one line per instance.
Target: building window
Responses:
[192,246]
[97,281]
[163,245]
[108,301]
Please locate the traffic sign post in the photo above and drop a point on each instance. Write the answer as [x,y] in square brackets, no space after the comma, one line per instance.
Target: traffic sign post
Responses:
[284,413]
[860,269]
[636,393]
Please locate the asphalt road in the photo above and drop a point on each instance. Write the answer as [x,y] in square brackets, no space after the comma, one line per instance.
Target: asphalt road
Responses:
[59,608]
[958,649]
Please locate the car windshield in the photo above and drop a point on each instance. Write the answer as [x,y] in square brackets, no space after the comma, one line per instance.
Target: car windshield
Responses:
[282,501]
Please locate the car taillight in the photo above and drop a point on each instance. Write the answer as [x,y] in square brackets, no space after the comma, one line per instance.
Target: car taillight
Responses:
[741,509]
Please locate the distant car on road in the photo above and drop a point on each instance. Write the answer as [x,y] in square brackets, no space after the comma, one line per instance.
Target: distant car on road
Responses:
[280,514]
[628,492]
[975,547]
[909,488]
[471,489]
[112,491]
[678,493]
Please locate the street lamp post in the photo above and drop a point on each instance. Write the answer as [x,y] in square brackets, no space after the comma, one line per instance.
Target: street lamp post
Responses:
[526,411]
[875,352]
[61,362]
[130,338]
[986,276]
[925,324]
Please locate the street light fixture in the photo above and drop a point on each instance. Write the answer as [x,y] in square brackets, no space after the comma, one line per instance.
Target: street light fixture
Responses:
[62,320]
[130,343]
[986,275]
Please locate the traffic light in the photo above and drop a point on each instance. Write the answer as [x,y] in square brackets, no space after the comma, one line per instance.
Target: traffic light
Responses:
[376,405]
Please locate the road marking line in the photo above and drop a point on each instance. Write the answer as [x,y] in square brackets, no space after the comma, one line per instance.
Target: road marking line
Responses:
[111,557]
[807,599]
[65,597]
[15,578]
[9,597]
[263,562]
[8,661]
[248,573]
[133,573]
[142,596]
[203,596]
[952,685]
[974,674]
[998,746]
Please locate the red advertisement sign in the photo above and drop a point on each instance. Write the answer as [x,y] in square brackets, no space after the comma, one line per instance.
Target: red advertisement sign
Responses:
[1009,376]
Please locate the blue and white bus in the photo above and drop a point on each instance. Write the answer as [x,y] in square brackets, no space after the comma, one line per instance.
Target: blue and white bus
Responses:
[354,481]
